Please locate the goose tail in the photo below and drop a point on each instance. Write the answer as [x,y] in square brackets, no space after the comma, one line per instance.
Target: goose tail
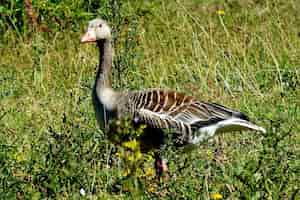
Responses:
[237,124]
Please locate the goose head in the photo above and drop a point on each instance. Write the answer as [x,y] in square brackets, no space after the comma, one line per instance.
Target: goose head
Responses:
[97,30]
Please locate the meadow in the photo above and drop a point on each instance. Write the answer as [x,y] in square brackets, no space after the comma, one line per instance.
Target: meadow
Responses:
[243,54]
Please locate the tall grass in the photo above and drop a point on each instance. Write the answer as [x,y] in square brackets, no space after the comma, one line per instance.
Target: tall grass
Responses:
[246,58]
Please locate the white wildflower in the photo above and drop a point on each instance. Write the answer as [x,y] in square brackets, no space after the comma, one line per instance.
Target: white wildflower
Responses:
[82,191]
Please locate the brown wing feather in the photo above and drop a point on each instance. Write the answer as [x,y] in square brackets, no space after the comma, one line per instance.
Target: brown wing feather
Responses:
[170,109]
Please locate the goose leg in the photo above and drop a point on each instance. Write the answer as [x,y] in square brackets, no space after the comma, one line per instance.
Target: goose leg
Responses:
[160,165]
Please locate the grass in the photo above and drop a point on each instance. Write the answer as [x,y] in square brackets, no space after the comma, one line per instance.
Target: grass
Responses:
[246,58]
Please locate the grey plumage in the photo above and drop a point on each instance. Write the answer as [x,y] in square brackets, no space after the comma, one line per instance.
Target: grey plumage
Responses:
[191,120]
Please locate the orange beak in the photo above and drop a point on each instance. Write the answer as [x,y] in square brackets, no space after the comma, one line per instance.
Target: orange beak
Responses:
[89,36]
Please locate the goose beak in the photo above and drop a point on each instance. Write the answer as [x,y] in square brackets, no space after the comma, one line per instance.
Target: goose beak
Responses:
[89,36]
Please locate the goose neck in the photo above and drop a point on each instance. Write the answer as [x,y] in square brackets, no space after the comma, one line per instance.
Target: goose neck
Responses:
[107,96]
[105,64]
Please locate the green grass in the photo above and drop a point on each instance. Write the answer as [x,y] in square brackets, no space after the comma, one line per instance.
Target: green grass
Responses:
[248,59]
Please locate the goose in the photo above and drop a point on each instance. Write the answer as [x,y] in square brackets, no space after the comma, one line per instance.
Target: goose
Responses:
[191,121]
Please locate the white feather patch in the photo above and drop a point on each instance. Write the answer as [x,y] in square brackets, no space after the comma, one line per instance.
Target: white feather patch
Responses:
[232,124]
[156,114]
[238,124]
[108,98]
[204,133]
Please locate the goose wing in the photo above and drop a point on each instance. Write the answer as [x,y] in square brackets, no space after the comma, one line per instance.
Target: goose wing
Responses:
[179,112]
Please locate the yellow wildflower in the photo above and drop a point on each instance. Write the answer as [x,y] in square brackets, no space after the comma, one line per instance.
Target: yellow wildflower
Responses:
[220,12]
[131,158]
[138,155]
[216,196]
[151,189]
[20,157]
[126,172]
[132,144]
[209,154]
[149,172]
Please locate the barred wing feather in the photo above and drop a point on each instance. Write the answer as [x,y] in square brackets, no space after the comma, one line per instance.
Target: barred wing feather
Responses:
[184,114]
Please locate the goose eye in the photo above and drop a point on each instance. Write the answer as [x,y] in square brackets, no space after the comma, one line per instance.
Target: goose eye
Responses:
[100,25]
